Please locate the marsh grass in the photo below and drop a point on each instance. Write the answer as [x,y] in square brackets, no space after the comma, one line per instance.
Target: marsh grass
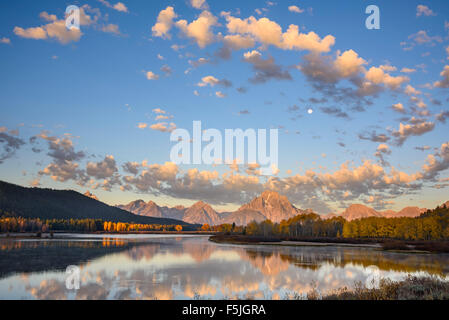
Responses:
[411,288]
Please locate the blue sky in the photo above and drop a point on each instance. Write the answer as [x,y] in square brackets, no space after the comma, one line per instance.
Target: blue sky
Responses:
[71,103]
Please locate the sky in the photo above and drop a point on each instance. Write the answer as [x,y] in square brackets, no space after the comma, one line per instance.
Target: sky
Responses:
[361,113]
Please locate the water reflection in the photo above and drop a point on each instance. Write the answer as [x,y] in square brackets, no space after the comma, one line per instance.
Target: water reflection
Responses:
[191,267]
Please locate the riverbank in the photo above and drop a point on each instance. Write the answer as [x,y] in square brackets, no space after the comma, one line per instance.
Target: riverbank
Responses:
[412,288]
[51,235]
[380,244]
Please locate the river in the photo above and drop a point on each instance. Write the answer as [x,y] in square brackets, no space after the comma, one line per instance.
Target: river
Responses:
[166,267]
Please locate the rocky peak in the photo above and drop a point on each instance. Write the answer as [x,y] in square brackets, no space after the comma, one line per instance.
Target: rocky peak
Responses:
[272,205]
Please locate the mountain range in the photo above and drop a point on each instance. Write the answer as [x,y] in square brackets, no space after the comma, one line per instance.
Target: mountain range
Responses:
[269,205]
[67,204]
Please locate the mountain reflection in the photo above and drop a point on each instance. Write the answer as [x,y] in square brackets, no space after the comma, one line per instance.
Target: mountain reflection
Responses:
[193,267]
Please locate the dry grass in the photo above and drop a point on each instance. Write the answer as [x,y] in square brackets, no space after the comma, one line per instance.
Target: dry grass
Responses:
[412,288]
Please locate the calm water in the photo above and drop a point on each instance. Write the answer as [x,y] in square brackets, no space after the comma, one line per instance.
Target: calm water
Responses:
[189,267]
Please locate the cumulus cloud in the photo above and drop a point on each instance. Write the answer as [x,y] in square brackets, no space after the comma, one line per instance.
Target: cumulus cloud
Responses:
[398,107]
[200,29]
[268,32]
[444,83]
[295,9]
[436,163]
[442,116]
[199,4]
[56,28]
[163,126]
[234,42]
[152,76]
[374,137]
[422,38]
[265,70]
[422,10]
[5,40]
[408,70]
[212,81]
[103,169]
[9,144]
[381,151]
[220,94]
[335,111]
[131,167]
[119,6]
[111,28]
[378,76]
[164,23]
[417,128]
[167,70]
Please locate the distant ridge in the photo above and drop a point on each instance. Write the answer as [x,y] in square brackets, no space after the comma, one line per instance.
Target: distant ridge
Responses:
[359,211]
[269,205]
[65,204]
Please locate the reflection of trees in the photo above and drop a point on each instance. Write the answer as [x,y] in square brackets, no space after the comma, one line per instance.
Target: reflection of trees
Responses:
[52,255]
[311,258]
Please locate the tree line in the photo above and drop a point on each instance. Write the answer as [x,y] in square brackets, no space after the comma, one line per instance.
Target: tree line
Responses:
[431,225]
[10,223]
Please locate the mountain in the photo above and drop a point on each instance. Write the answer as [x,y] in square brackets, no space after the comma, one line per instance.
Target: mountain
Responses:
[141,208]
[64,204]
[359,211]
[151,209]
[201,213]
[271,205]
[243,217]
[173,213]
[410,212]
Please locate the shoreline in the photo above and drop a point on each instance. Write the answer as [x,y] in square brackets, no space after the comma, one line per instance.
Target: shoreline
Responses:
[48,236]
[418,247]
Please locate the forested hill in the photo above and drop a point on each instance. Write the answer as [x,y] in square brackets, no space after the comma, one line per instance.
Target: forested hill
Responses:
[65,204]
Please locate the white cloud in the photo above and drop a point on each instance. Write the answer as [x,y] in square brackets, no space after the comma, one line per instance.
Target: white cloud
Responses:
[398,107]
[164,23]
[5,40]
[444,83]
[199,29]
[119,6]
[152,76]
[414,129]
[295,9]
[408,70]
[212,81]
[111,28]
[270,33]
[199,4]
[163,126]
[422,10]
[378,76]
[220,94]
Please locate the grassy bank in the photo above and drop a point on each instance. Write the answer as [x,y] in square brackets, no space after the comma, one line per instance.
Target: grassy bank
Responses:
[412,288]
